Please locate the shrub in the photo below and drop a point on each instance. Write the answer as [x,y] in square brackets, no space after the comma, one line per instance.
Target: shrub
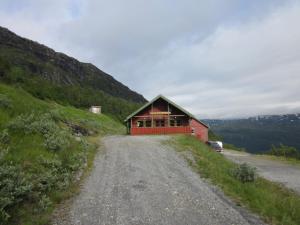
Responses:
[14,187]
[22,123]
[43,204]
[3,153]
[44,125]
[57,140]
[5,102]
[4,137]
[285,151]
[244,173]
[56,115]
[54,137]
[56,177]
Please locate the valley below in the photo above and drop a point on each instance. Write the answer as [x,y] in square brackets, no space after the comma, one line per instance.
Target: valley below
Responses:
[258,134]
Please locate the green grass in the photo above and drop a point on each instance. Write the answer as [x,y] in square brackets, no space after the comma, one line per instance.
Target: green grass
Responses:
[291,161]
[92,91]
[274,203]
[49,173]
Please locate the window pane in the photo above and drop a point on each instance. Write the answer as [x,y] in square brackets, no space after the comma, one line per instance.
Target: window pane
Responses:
[159,123]
[148,123]
[140,123]
[172,123]
[178,123]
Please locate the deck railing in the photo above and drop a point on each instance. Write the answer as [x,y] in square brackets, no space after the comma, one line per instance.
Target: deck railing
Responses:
[160,130]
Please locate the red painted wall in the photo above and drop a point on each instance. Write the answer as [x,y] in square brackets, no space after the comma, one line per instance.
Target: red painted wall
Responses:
[200,131]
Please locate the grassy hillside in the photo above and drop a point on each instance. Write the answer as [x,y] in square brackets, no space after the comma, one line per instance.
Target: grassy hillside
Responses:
[43,145]
[274,203]
[75,95]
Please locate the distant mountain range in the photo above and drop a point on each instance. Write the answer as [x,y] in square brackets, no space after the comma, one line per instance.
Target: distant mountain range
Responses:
[258,134]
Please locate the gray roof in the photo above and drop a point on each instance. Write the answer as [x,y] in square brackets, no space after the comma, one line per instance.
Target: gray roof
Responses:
[167,100]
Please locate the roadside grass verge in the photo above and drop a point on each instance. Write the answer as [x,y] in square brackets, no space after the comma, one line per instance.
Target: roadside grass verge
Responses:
[273,202]
[44,149]
[291,161]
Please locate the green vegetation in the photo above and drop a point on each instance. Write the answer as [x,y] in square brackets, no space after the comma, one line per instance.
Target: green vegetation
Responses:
[257,135]
[75,95]
[43,146]
[233,147]
[213,137]
[285,151]
[274,203]
[244,173]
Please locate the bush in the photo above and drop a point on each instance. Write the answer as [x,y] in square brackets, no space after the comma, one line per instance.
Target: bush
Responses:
[56,141]
[244,173]
[54,137]
[22,123]
[285,151]
[4,137]
[43,204]
[5,102]
[14,187]
[3,153]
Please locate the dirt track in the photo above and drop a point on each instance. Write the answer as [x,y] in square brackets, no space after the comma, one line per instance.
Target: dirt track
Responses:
[140,181]
[274,170]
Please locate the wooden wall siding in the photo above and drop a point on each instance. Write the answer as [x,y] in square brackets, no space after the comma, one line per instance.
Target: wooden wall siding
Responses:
[200,131]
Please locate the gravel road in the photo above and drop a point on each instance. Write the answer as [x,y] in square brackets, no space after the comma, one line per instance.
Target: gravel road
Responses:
[284,173]
[140,181]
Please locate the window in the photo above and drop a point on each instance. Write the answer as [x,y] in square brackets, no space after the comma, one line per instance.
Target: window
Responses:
[159,123]
[140,123]
[178,123]
[172,123]
[148,123]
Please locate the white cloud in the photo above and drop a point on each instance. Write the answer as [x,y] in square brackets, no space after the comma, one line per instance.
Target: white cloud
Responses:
[239,70]
[216,58]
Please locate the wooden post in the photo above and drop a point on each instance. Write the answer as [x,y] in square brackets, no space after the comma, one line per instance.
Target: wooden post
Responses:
[152,121]
[168,114]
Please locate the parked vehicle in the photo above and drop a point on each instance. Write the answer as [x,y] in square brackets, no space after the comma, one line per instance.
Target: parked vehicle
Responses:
[216,145]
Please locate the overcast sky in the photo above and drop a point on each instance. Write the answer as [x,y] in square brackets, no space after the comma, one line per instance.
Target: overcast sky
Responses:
[216,58]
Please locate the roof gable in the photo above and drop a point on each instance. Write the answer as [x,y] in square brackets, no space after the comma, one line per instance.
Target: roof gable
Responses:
[167,100]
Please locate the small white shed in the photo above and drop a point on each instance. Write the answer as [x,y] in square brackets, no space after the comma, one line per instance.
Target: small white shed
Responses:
[95,109]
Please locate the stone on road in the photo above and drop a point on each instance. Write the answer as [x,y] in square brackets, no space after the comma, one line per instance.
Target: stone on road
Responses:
[140,181]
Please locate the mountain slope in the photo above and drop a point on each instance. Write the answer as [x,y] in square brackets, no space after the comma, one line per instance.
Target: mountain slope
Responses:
[38,60]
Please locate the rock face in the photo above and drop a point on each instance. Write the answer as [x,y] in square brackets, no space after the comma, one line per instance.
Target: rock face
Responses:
[59,68]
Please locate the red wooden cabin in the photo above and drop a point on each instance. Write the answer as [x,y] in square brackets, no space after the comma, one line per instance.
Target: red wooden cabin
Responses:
[162,116]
